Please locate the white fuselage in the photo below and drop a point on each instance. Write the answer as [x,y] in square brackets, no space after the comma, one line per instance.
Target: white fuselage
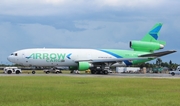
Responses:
[56,57]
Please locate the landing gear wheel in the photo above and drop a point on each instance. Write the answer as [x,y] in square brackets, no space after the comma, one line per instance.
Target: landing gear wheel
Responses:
[92,71]
[33,72]
[173,74]
[98,72]
[47,72]
[105,72]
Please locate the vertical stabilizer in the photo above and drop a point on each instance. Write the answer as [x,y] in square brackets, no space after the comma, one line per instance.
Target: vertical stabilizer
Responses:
[150,41]
[153,34]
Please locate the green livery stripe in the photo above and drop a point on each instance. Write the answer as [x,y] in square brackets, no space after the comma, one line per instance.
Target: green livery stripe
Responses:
[117,56]
[126,54]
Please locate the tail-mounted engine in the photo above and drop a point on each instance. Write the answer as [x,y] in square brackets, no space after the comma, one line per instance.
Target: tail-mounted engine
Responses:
[145,46]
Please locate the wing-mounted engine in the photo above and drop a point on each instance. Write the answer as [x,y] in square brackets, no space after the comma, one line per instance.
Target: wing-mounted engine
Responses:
[145,46]
[84,66]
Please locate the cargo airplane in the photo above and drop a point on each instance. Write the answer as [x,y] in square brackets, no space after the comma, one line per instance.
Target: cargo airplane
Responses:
[97,60]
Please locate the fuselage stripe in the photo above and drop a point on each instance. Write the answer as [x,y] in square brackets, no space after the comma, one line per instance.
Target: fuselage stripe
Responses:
[113,54]
[117,56]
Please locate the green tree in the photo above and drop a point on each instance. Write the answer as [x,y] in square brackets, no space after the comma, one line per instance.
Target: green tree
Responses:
[170,62]
[158,62]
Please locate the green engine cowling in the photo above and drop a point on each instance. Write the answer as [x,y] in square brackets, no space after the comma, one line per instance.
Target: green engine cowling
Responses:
[84,66]
[145,46]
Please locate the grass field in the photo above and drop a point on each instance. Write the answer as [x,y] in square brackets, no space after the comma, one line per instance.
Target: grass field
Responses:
[91,91]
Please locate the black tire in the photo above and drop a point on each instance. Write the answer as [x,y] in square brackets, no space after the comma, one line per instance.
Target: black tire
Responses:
[92,71]
[105,72]
[17,71]
[9,72]
[33,72]
[47,72]
[57,72]
[172,73]
[101,72]
[98,72]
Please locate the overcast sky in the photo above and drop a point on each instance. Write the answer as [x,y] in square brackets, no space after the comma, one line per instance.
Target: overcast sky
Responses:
[86,24]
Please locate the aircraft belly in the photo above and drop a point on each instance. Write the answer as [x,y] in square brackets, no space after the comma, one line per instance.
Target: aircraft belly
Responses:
[56,63]
[119,64]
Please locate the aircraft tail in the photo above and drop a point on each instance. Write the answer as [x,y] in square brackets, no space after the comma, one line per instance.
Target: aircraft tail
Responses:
[153,34]
[149,42]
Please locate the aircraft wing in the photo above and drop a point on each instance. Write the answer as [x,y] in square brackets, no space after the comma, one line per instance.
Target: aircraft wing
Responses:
[113,60]
[141,57]
[158,54]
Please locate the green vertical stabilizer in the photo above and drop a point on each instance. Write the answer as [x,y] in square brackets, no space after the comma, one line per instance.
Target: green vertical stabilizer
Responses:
[153,34]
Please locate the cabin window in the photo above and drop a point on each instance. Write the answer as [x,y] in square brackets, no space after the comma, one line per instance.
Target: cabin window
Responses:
[16,54]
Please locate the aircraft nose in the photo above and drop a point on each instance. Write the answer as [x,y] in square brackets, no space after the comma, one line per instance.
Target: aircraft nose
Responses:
[10,58]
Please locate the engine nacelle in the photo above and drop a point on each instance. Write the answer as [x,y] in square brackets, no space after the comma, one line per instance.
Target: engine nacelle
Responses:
[145,46]
[84,66]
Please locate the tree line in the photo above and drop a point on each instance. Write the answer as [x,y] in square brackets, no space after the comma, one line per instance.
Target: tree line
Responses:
[159,63]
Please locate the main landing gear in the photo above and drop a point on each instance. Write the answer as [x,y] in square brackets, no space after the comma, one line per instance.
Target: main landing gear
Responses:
[33,69]
[100,71]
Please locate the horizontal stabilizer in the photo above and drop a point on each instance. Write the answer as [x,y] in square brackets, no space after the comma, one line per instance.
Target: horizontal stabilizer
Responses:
[161,42]
[158,54]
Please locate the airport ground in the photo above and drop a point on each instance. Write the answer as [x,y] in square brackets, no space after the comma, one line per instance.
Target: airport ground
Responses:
[85,89]
[67,89]
[83,74]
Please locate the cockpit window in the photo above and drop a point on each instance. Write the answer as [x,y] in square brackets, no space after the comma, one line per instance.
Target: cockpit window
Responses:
[15,54]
